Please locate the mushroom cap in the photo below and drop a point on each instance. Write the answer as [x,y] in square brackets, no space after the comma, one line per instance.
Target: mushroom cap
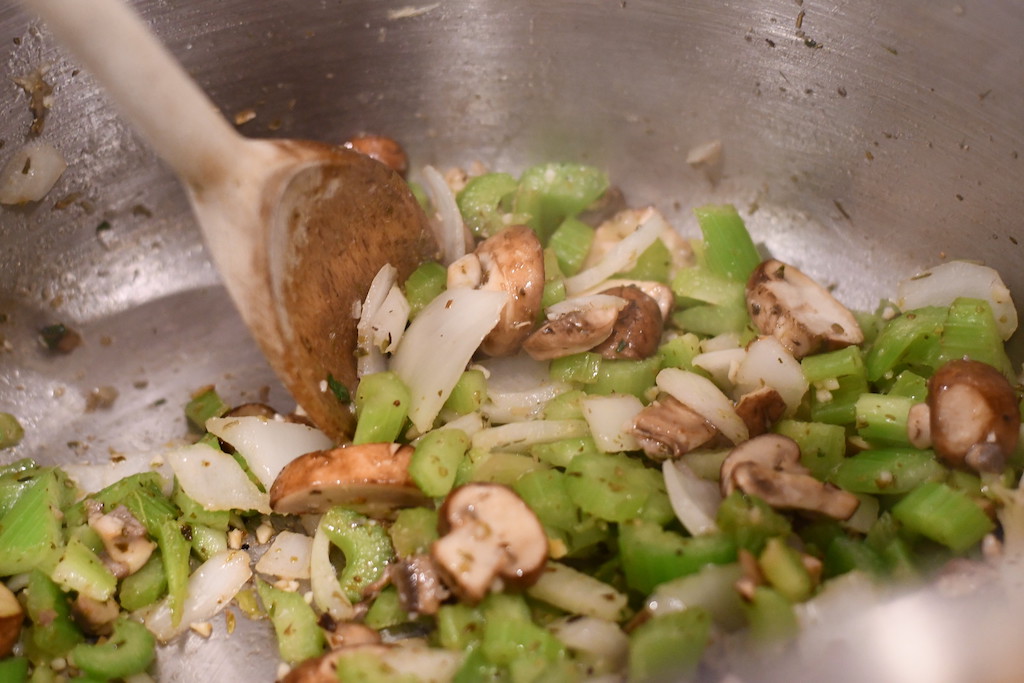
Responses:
[796,310]
[512,262]
[667,428]
[637,330]
[488,533]
[372,478]
[973,415]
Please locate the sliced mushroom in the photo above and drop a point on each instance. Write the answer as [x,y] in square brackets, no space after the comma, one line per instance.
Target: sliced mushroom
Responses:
[637,330]
[489,538]
[347,633]
[919,425]
[11,618]
[667,429]
[604,207]
[125,540]
[760,409]
[768,466]
[576,329]
[94,617]
[382,148]
[512,262]
[252,410]
[796,310]
[464,272]
[420,589]
[974,418]
[372,478]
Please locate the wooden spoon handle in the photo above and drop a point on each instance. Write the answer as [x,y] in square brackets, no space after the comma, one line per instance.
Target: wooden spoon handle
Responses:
[150,88]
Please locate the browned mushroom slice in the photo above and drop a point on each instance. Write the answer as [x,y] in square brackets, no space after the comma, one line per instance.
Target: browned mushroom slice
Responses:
[667,429]
[125,542]
[382,148]
[489,538]
[95,617]
[347,633]
[11,618]
[768,466]
[637,330]
[372,478]
[573,332]
[796,310]
[760,409]
[420,590]
[512,262]
[252,410]
[974,418]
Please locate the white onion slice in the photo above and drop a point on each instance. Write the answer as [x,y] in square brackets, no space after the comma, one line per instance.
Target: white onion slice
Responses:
[712,588]
[323,580]
[694,500]
[590,302]
[721,365]
[700,395]
[369,358]
[470,423]
[439,344]
[519,436]
[940,285]
[768,363]
[287,557]
[517,388]
[214,480]
[449,230]
[98,476]
[602,644]
[610,419]
[30,173]
[408,659]
[210,589]
[268,445]
[620,257]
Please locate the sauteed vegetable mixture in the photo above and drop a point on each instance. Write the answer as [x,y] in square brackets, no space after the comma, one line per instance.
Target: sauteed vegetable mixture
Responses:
[587,448]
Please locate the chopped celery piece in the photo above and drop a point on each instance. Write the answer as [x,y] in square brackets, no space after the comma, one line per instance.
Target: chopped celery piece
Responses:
[582,368]
[420,195]
[625,376]
[882,420]
[435,461]
[570,243]
[888,471]
[908,334]
[911,385]
[679,351]
[484,202]
[469,393]
[207,541]
[609,486]
[145,586]
[15,479]
[80,570]
[826,366]
[203,405]
[366,546]
[729,251]
[368,666]
[53,632]
[654,264]
[838,380]
[386,610]
[554,291]
[382,405]
[129,650]
[550,193]
[561,453]
[424,285]
[30,532]
[459,627]
[771,617]
[970,332]
[652,555]
[298,635]
[750,521]
[509,631]
[711,320]
[14,670]
[845,554]
[194,513]
[822,446]
[698,285]
[669,646]
[944,515]
[496,467]
[413,530]
[565,406]
[784,571]
[546,492]
[11,431]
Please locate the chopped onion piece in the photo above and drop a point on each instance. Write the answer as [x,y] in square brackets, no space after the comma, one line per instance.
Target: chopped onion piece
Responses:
[590,302]
[268,445]
[602,644]
[517,388]
[700,395]
[721,365]
[940,285]
[470,423]
[694,500]
[439,344]
[518,436]
[215,480]
[30,173]
[210,589]
[98,476]
[578,593]
[288,556]
[323,580]
[449,230]
[768,363]
[620,257]
[610,419]
[369,356]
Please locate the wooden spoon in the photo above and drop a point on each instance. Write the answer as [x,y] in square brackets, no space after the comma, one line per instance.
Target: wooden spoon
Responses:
[297,229]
